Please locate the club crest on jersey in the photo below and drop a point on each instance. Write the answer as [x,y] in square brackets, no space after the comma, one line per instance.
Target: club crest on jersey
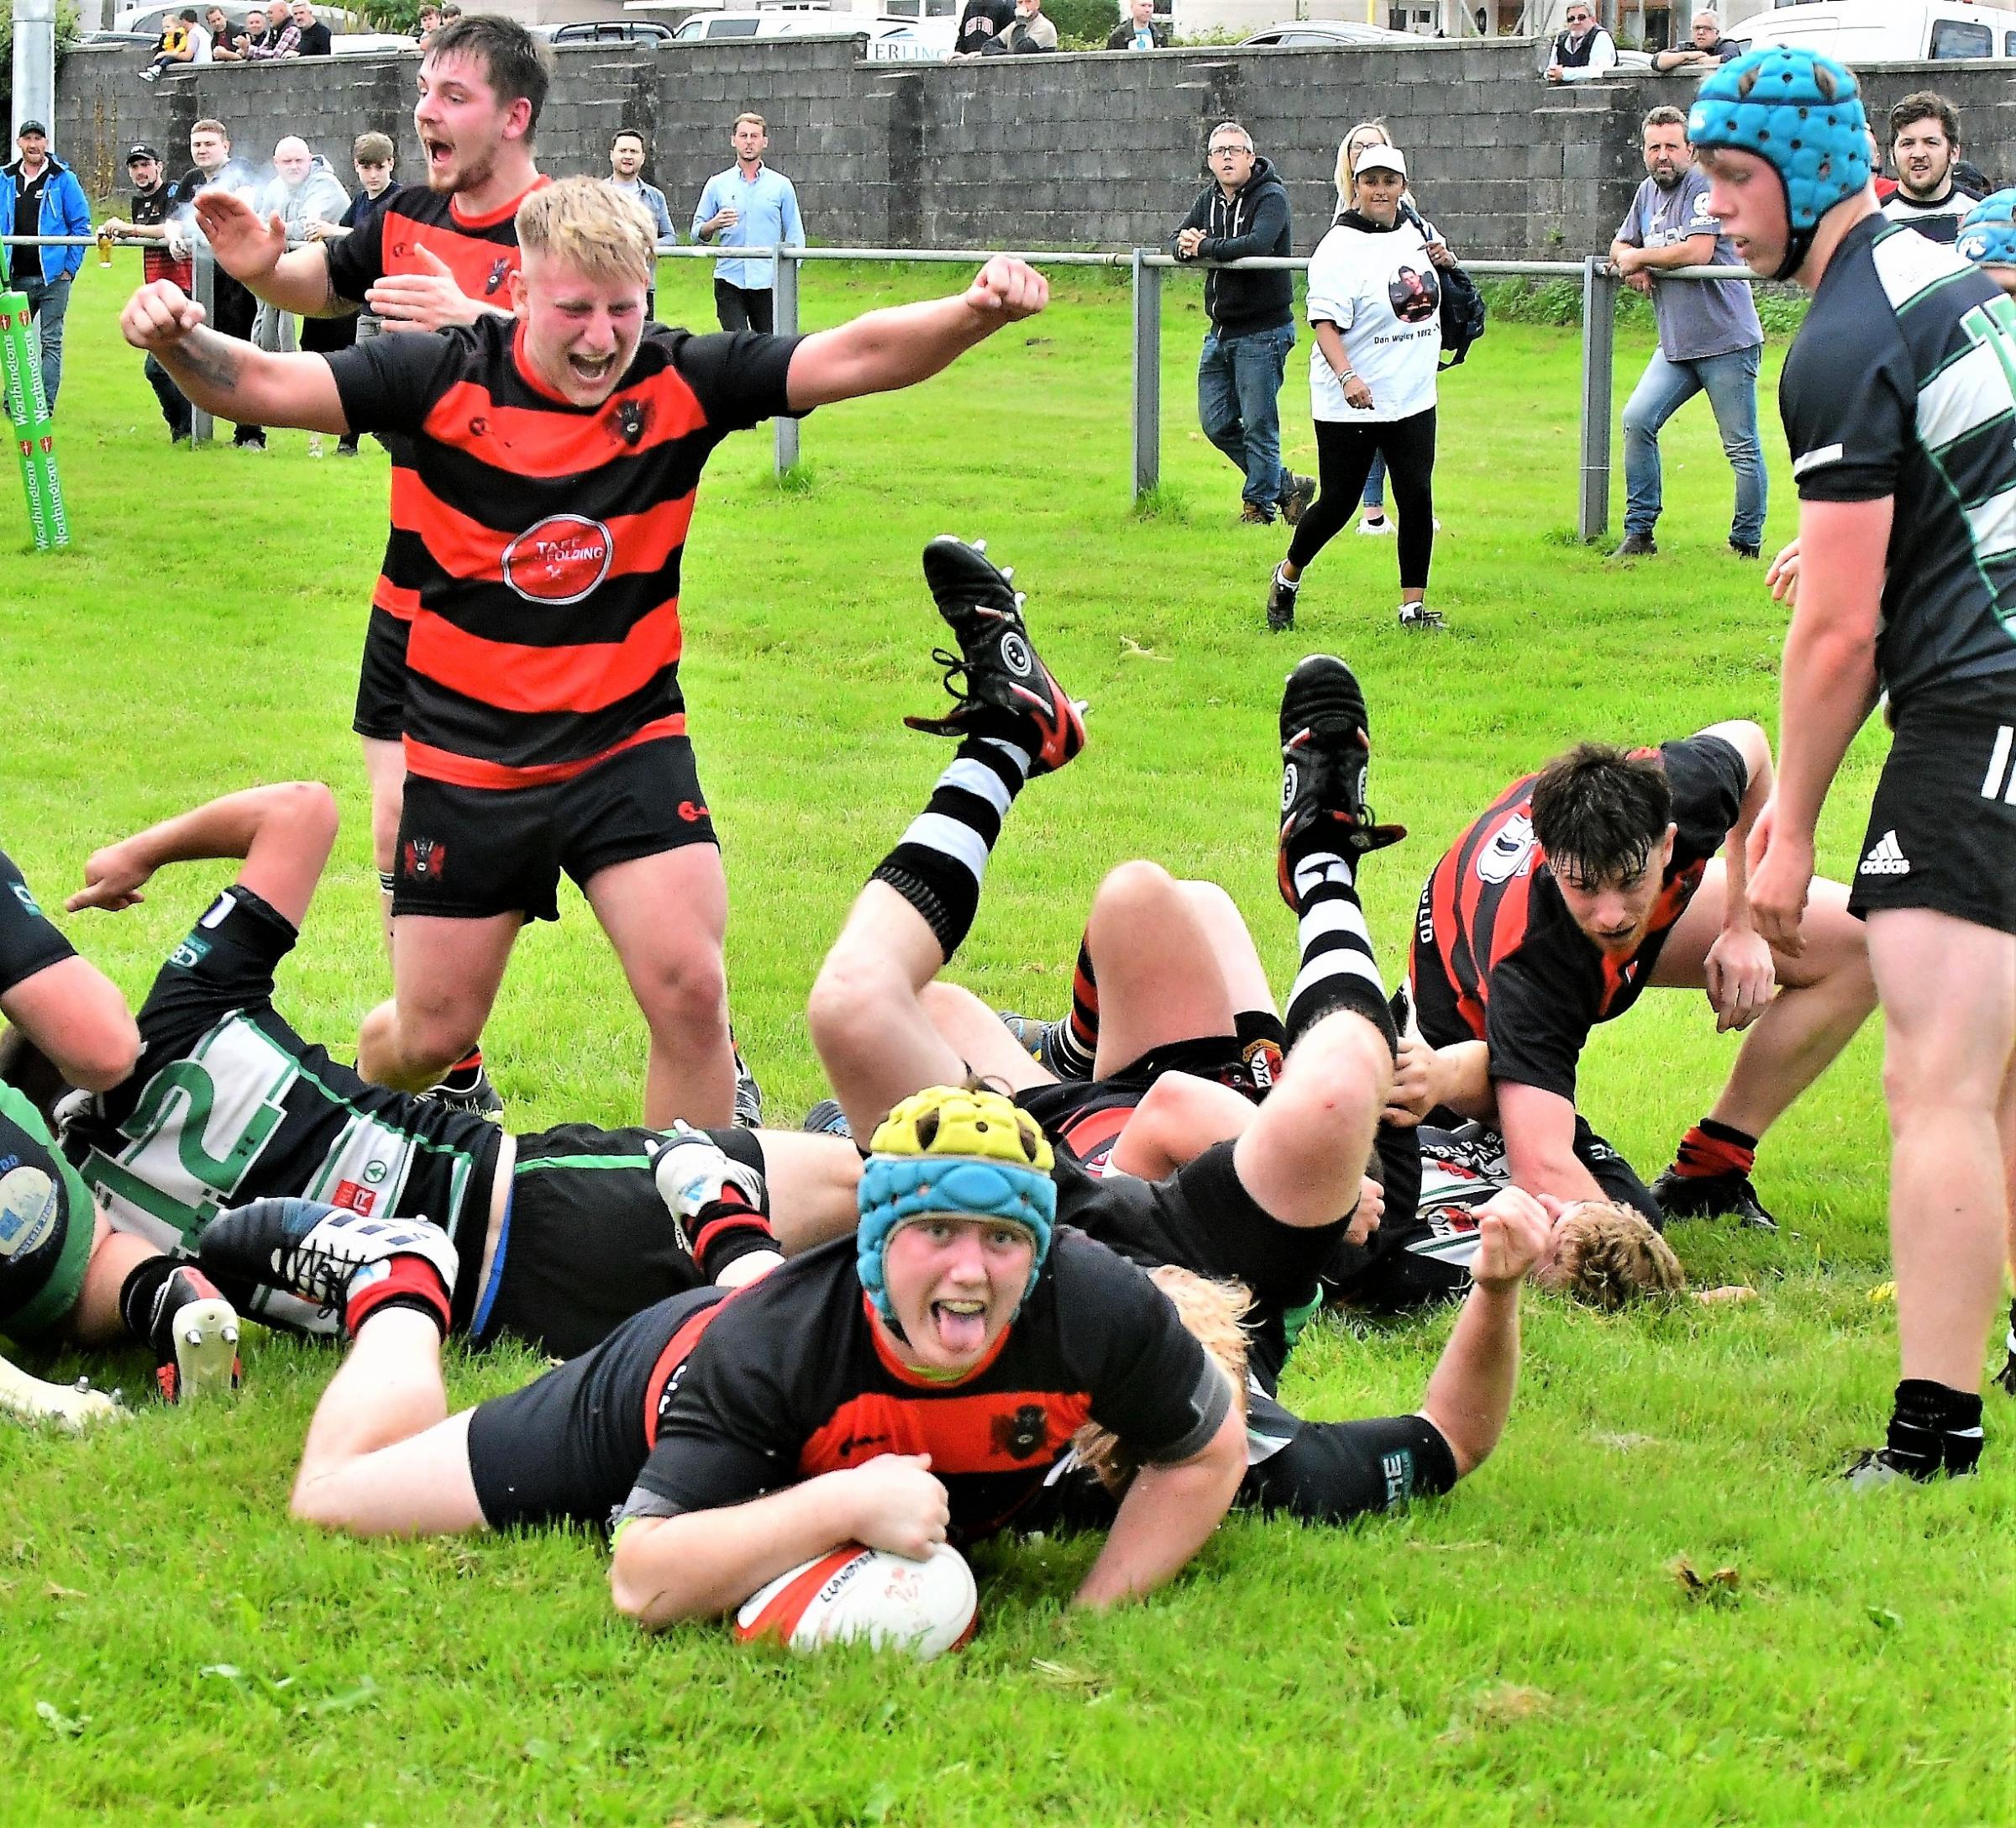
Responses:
[632,417]
[426,859]
[1510,852]
[1022,1435]
[500,270]
[559,559]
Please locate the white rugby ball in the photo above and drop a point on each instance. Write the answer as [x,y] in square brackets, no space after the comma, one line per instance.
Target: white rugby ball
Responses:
[857,1594]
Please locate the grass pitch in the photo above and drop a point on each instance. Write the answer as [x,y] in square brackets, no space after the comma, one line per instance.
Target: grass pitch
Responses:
[1521,1650]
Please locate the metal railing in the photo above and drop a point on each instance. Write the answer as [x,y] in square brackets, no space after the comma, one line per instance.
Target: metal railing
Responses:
[1146,267]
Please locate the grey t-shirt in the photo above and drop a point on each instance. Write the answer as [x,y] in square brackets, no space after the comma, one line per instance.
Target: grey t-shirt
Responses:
[1696,318]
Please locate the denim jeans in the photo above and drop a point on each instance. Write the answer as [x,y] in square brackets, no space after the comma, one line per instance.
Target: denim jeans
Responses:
[1731,384]
[1238,405]
[1374,494]
[46,305]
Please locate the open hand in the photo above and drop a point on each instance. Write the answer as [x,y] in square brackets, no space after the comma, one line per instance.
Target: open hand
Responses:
[245,247]
[1784,576]
[429,301]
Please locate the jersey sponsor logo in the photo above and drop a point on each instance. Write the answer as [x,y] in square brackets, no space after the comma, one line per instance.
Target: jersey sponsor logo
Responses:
[425,858]
[1885,858]
[1509,854]
[25,899]
[853,1444]
[691,813]
[27,1211]
[1022,1435]
[1397,1468]
[354,1198]
[191,952]
[559,559]
[1816,459]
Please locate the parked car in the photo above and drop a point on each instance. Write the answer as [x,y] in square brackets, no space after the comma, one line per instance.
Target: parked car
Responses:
[885,40]
[1328,35]
[606,32]
[1887,31]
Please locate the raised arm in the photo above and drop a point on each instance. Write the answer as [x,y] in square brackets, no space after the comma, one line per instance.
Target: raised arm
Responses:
[224,376]
[906,344]
[254,252]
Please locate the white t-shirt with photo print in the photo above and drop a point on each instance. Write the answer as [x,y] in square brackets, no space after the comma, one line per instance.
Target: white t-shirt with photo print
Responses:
[1382,293]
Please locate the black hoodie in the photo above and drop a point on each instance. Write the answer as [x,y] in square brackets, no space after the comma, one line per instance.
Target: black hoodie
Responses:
[1254,220]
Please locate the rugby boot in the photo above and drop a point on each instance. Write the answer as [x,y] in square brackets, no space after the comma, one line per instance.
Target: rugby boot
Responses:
[75,1406]
[1001,687]
[749,1096]
[826,1118]
[2005,1378]
[317,1251]
[1281,596]
[1324,748]
[1418,617]
[194,1332]
[468,1087]
[1039,1040]
[1711,1196]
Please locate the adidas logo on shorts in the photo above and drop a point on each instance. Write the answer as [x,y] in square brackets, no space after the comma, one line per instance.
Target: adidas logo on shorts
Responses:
[1885,858]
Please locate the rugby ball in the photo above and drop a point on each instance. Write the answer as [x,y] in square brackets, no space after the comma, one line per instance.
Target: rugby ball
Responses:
[855,1594]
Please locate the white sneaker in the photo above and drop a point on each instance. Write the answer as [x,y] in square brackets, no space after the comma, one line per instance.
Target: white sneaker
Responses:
[1379,529]
[1419,616]
[314,443]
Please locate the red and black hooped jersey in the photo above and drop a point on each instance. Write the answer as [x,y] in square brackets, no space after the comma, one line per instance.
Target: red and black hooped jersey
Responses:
[791,1377]
[482,253]
[1499,958]
[547,633]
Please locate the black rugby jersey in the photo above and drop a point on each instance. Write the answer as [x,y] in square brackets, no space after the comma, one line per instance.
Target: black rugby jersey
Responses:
[1499,958]
[29,944]
[547,631]
[791,1377]
[482,253]
[229,1105]
[1902,383]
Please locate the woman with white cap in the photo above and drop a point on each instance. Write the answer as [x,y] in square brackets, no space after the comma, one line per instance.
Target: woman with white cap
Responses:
[1375,303]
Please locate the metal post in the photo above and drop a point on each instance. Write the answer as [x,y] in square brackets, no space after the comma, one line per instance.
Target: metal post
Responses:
[1599,341]
[1147,375]
[203,276]
[34,69]
[784,299]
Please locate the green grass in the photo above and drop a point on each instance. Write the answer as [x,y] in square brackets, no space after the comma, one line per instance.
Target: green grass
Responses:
[1519,1651]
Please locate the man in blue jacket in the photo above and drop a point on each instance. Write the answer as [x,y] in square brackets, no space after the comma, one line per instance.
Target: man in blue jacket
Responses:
[1243,211]
[40,197]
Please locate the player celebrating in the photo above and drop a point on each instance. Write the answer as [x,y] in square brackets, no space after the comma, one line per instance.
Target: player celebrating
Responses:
[1897,399]
[558,462]
[907,1386]
[437,253]
[1581,885]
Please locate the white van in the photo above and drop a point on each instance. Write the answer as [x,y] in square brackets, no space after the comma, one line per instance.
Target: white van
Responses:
[885,39]
[1887,31]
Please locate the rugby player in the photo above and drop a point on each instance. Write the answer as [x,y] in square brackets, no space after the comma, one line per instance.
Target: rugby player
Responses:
[563,1233]
[1577,888]
[559,459]
[907,1386]
[438,253]
[1896,398]
[1268,1208]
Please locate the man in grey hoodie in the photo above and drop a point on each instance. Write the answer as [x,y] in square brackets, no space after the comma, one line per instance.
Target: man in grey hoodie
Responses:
[1242,212]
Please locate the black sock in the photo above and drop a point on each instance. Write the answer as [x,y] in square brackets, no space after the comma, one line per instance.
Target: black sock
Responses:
[154,1294]
[1338,969]
[1933,1429]
[938,866]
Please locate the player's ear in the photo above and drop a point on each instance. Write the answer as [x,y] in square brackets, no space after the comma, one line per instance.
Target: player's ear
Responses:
[515,285]
[1666,848]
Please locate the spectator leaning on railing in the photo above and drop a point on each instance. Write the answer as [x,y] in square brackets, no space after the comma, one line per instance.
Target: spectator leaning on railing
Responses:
[1138,30]
[155,202]
[1028,31]
[280,39]
[314,40]
[1705,49]
[1584,49]
[227,40]
[40,196]
[183,43]
[979,23]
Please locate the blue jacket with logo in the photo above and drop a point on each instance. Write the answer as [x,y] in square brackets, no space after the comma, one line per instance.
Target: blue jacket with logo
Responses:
[65,212]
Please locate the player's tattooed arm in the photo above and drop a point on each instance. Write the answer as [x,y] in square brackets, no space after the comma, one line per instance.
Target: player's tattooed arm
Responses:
[254,386]
[207,358]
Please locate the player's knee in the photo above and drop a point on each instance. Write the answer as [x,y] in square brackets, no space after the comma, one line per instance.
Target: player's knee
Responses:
[1135,889]
[1927,1079]
[435,1037]
[688,993]
[849,997]
[318,1499]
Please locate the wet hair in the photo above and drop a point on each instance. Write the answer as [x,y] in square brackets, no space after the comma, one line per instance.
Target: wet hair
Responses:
[1925,105]
[1211,1313]
[1602,810]
[514,63]
[1608,1256]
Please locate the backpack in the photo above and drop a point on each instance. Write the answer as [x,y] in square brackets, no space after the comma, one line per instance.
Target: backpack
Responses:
[1462,316]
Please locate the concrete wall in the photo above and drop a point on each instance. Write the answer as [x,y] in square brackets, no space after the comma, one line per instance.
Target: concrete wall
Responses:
[1055,151]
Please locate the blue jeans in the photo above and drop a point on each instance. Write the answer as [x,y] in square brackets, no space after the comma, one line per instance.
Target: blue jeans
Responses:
[46,305]
[1374,495]
[1238,405]
[1731,384]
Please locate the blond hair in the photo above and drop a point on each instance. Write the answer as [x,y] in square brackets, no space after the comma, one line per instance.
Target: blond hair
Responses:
[757,119]
[599,232]
[1346,184]
[1610,1256]
[1210,1312]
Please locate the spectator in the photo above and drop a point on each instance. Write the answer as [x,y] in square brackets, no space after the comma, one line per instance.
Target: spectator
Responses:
[227,40]
[1373,522]
[182,41]
[280,39]
[1029,31]
[1139,29]
[1925,148]
[313,39]
[233,308]
[747,206]
[450,12]
[980,23]
[303,190]
[39,195]
[1244,211]
[1584,49]
[1375,303]
[371,158]
[1709,339]
[430,22]
[626,174]
[154,201]
[1706,48]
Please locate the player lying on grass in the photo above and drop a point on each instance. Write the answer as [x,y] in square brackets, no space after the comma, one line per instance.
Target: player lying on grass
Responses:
[1169,986]
[1267,1209]
[908,1385]
[556,458]
[565,1232]
[1577,888]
